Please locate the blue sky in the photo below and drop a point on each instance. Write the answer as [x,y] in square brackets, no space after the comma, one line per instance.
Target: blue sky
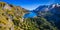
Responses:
[30,4]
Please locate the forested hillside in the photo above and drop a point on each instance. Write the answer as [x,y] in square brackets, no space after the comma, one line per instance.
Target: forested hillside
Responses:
[11,18]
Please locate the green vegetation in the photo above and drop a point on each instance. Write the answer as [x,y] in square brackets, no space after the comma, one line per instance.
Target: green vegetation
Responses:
[12,19]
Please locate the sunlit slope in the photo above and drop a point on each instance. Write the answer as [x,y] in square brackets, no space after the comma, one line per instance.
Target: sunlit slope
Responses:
[8,13]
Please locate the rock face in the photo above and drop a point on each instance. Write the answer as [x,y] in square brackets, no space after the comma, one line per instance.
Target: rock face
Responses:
[7,7]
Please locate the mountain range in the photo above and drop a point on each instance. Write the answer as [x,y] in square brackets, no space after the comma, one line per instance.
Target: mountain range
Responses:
[45,17]
[50,12]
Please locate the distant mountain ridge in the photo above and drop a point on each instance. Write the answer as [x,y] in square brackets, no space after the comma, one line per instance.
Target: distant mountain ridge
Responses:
[42,7]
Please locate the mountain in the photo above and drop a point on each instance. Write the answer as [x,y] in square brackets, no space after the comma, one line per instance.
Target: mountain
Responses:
[40,8]
[56,15]
[9,13]
[50,12]
[17,18]
[47,9]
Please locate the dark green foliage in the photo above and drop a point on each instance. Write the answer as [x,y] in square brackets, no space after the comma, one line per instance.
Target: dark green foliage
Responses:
[37,24]
[16,22]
